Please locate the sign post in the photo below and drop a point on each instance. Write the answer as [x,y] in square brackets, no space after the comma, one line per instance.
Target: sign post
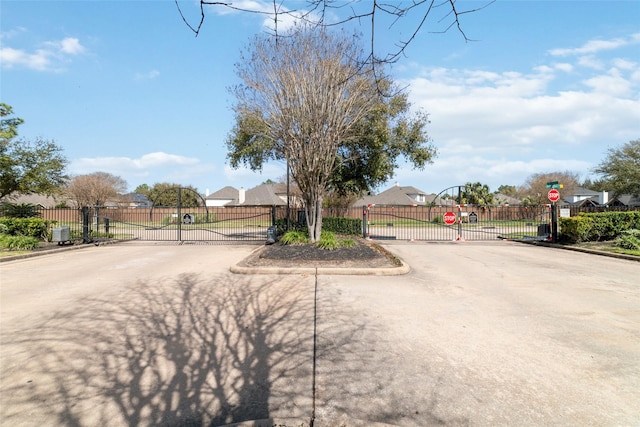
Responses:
[554,196]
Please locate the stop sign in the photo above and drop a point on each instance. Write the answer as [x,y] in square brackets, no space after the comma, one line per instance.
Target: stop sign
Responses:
[449,218]
[553,195]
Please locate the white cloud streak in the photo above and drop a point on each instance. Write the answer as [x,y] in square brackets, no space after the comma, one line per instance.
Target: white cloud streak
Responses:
[48,58]
[500,127]
[150,168]
[595,46]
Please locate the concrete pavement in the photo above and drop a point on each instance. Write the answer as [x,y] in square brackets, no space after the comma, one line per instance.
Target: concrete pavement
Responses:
[487,333]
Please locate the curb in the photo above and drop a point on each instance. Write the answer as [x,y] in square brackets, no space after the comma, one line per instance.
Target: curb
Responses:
[582,250]
[324,271]
[57,249]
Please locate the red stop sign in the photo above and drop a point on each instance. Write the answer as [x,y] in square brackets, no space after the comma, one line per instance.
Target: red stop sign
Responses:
[449,218]
[554,195]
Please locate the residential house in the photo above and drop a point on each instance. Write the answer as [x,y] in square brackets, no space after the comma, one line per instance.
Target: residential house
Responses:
[262,195]
[586,197]
[400,196]
[40,200]
[504,200]
[137,200]
[627,200]
[223,196]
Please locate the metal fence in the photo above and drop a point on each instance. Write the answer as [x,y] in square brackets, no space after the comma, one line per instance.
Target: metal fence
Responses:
[250,224]
[457,223]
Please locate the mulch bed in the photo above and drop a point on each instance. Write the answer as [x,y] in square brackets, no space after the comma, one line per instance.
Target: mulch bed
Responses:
[363,254]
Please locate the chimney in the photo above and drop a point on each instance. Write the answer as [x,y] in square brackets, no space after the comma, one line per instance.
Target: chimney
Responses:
[241,196]
[604,197]
[397,184]
[206,192]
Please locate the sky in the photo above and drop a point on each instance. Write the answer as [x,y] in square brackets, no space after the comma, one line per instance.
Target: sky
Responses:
[125,87]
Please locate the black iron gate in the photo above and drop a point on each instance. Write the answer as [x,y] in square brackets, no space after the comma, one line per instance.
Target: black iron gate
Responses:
[458,222]
[200,224]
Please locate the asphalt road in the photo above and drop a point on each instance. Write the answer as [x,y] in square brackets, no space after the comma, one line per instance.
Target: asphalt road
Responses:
[479,333]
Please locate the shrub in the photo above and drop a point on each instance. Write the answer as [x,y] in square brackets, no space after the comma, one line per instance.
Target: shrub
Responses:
[598,226]
[16,243]
[294,238]
[629,239]
[346,226]
[281,226]
[328,241]
[29,227]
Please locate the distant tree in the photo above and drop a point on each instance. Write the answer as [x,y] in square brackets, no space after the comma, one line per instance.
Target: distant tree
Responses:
[96,189]
[534,190]
[477,194]
[27,167]
[620,169]
[595,185]
[143,189]
[508,190]
[166,194]
[305,99]
[8,125]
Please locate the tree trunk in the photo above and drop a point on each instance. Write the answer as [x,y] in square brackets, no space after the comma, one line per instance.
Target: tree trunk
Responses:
[313,211]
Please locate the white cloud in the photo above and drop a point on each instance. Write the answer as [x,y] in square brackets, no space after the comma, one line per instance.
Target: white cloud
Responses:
[149,168]
[594,46]
[246,177]
[590,62]
[287,18]
[147,76]
[48,58]
[500,127]
[40,60]
[613,83]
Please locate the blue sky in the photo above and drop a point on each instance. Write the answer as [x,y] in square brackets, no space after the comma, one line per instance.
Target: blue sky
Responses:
[125,87]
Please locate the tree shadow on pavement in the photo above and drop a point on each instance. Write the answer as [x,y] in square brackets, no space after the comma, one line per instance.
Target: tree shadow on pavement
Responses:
[186,352]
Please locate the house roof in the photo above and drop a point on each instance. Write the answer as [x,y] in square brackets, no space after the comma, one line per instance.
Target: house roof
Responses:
[504,199]
[579,191]
[225,193]
[262,195]
[396,195]
[38,199]
[626,199]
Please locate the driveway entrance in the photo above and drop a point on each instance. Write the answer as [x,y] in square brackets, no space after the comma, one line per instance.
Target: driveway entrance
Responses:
[478,333]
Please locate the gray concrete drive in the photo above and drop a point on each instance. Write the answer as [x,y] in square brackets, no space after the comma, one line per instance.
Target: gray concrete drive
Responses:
[478,333]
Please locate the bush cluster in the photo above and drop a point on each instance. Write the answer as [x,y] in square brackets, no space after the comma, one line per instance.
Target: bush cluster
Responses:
[27,227]
[590,227]
[18,243]
[344,226]
[629,239]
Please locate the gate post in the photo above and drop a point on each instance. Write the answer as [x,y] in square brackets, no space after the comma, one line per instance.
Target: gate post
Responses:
[273,215]
[179,215]
[554,223]
[364,222]
[85,224]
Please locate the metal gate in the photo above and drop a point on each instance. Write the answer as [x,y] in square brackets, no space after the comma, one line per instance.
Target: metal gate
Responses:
[470,222]
[200,224]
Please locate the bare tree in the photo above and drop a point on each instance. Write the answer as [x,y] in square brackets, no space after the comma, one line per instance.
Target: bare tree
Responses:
[439,15]
[96,188]
[534,190]
[301,96]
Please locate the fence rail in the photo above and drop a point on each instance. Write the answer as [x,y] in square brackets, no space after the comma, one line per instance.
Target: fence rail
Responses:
[250,224]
